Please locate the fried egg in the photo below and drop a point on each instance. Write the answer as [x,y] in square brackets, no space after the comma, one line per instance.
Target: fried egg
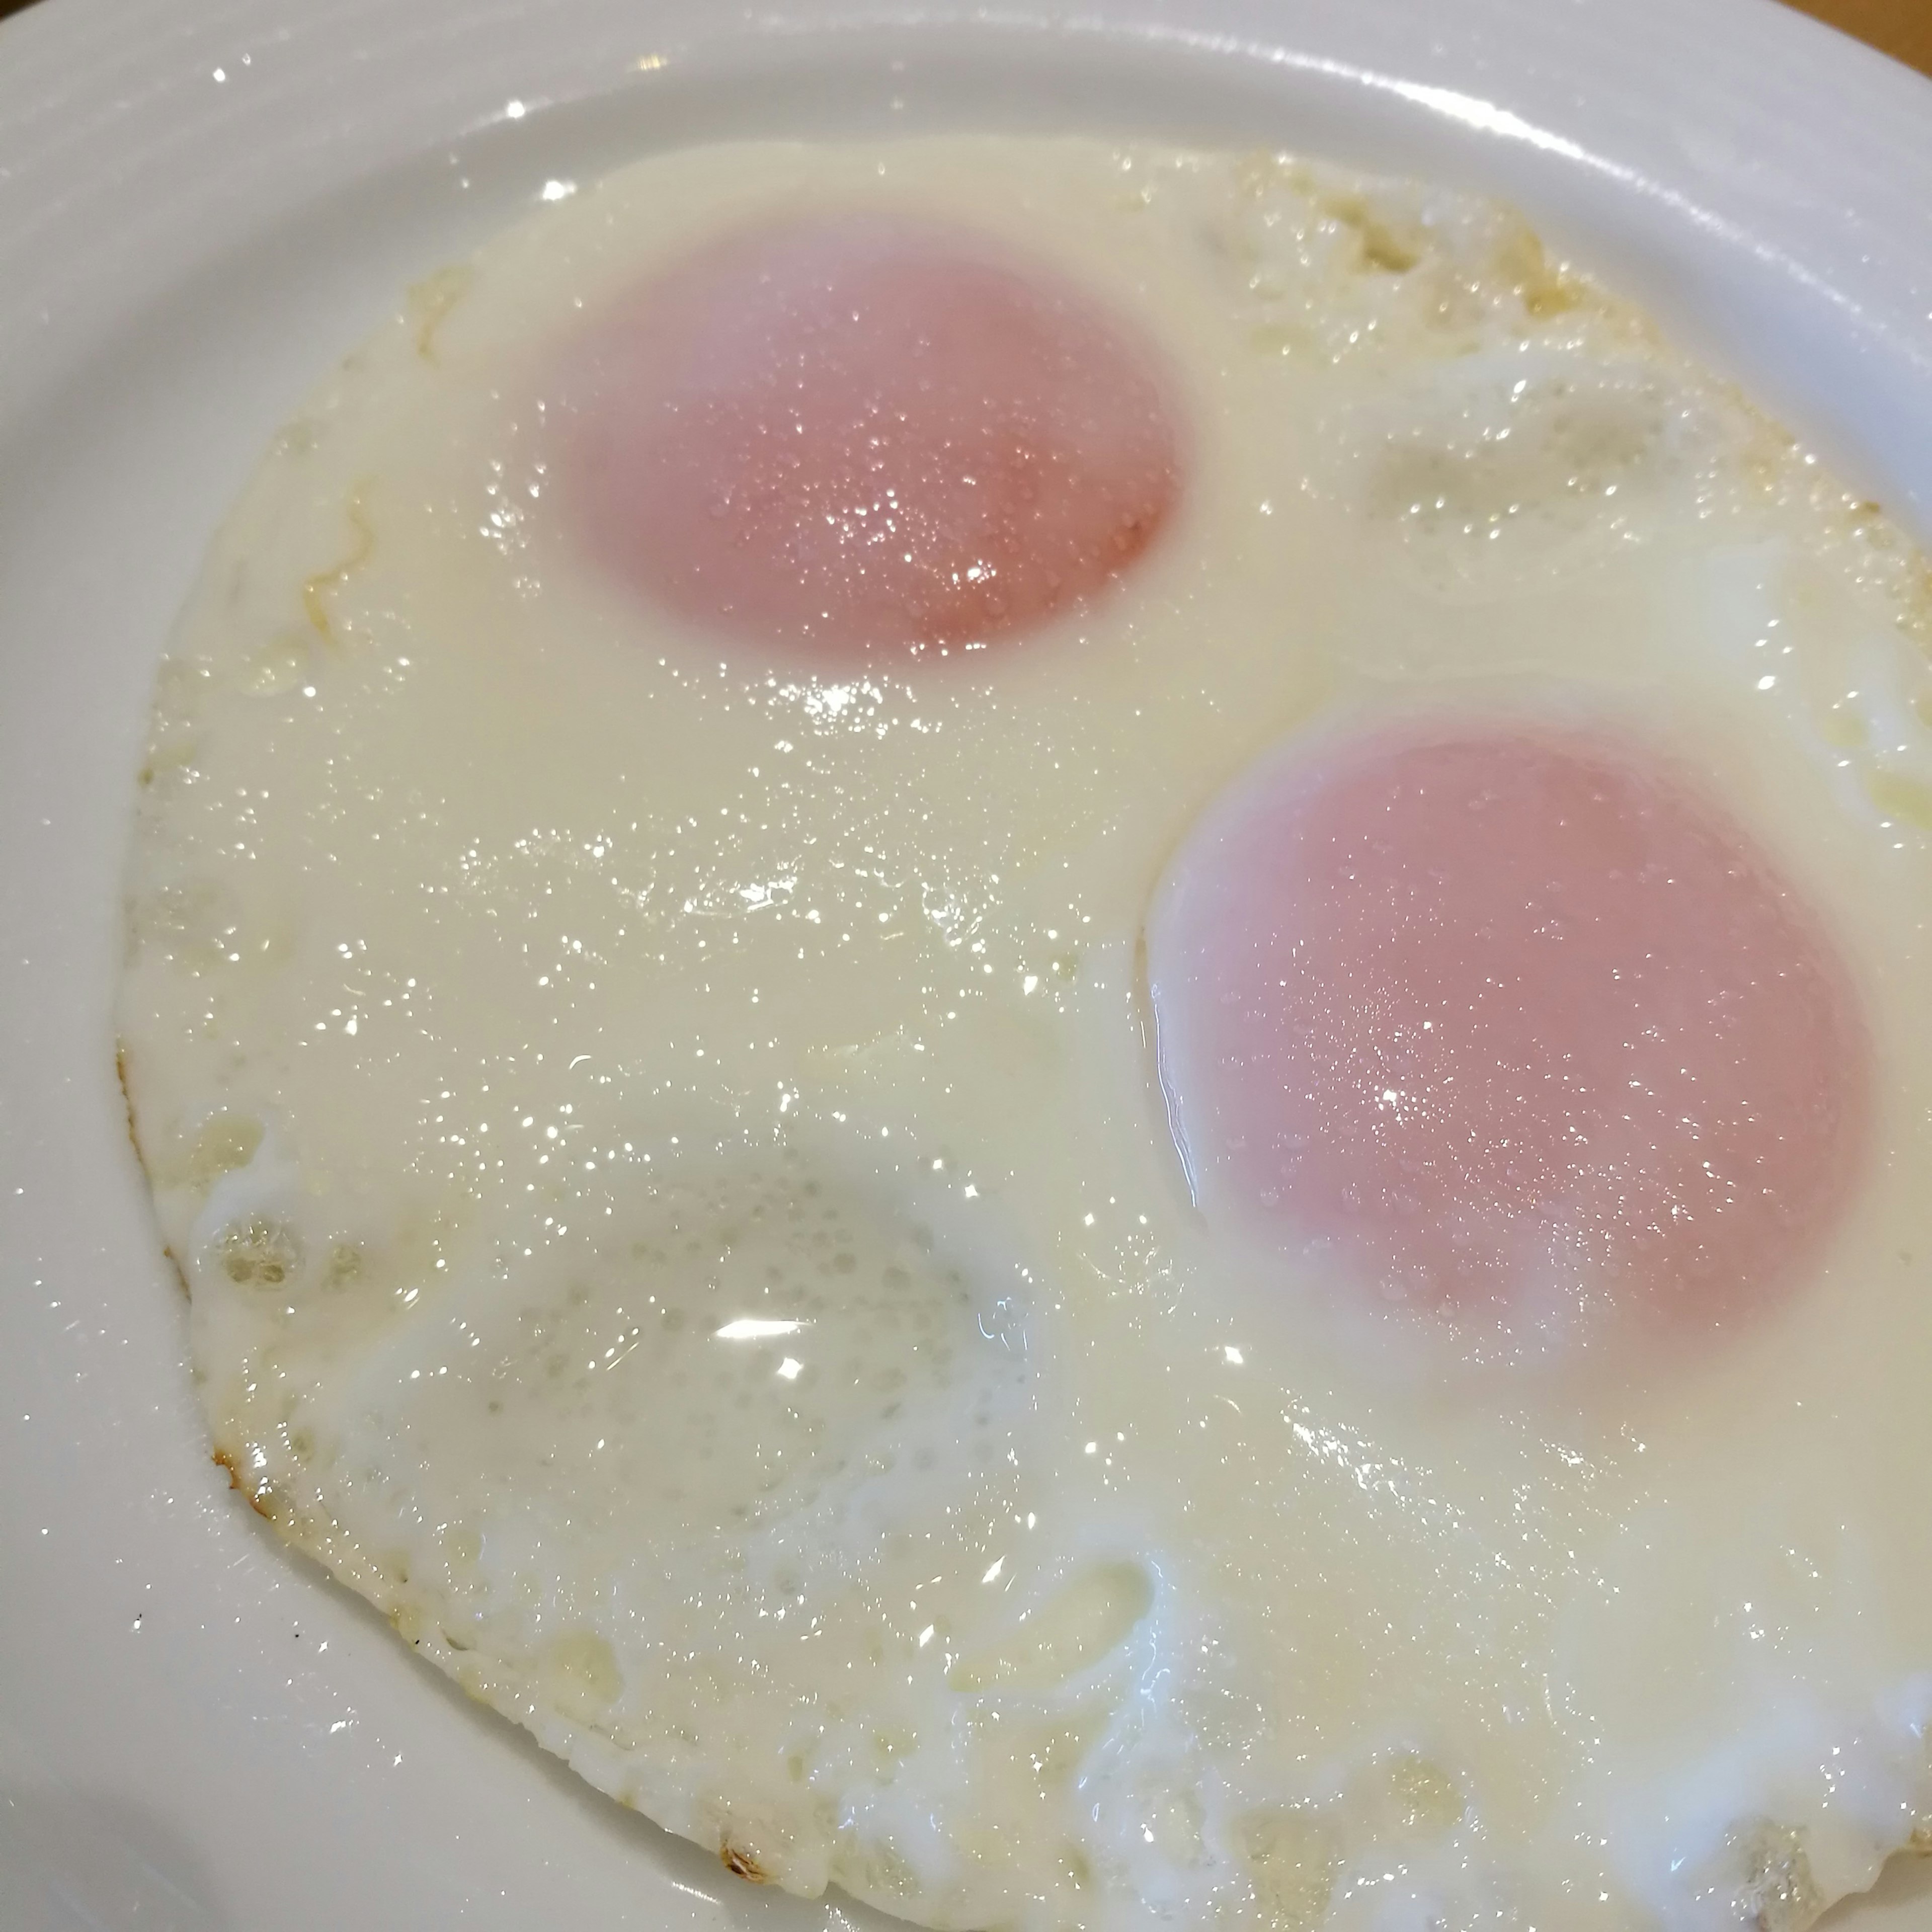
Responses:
[1046,1020]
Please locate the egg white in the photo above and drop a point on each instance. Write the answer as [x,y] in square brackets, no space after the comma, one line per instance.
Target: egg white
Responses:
[664,1154]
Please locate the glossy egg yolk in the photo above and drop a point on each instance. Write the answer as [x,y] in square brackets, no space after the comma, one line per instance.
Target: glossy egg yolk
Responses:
[866,434]
[1507,1019]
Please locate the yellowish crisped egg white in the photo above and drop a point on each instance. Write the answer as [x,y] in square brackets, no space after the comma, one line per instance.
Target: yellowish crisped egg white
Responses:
[662,1146]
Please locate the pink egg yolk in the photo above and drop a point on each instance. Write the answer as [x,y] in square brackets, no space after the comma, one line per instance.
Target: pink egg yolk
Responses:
[1510,1020]
[865,434]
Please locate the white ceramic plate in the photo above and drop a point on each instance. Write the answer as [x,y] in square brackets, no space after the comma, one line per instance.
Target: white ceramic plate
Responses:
[201,202]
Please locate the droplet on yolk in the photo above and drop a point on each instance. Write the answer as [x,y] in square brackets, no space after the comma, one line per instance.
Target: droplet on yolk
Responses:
[1507,1020]
[866,434]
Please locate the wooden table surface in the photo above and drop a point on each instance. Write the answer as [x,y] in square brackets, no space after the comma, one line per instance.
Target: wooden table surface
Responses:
[1902,28]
